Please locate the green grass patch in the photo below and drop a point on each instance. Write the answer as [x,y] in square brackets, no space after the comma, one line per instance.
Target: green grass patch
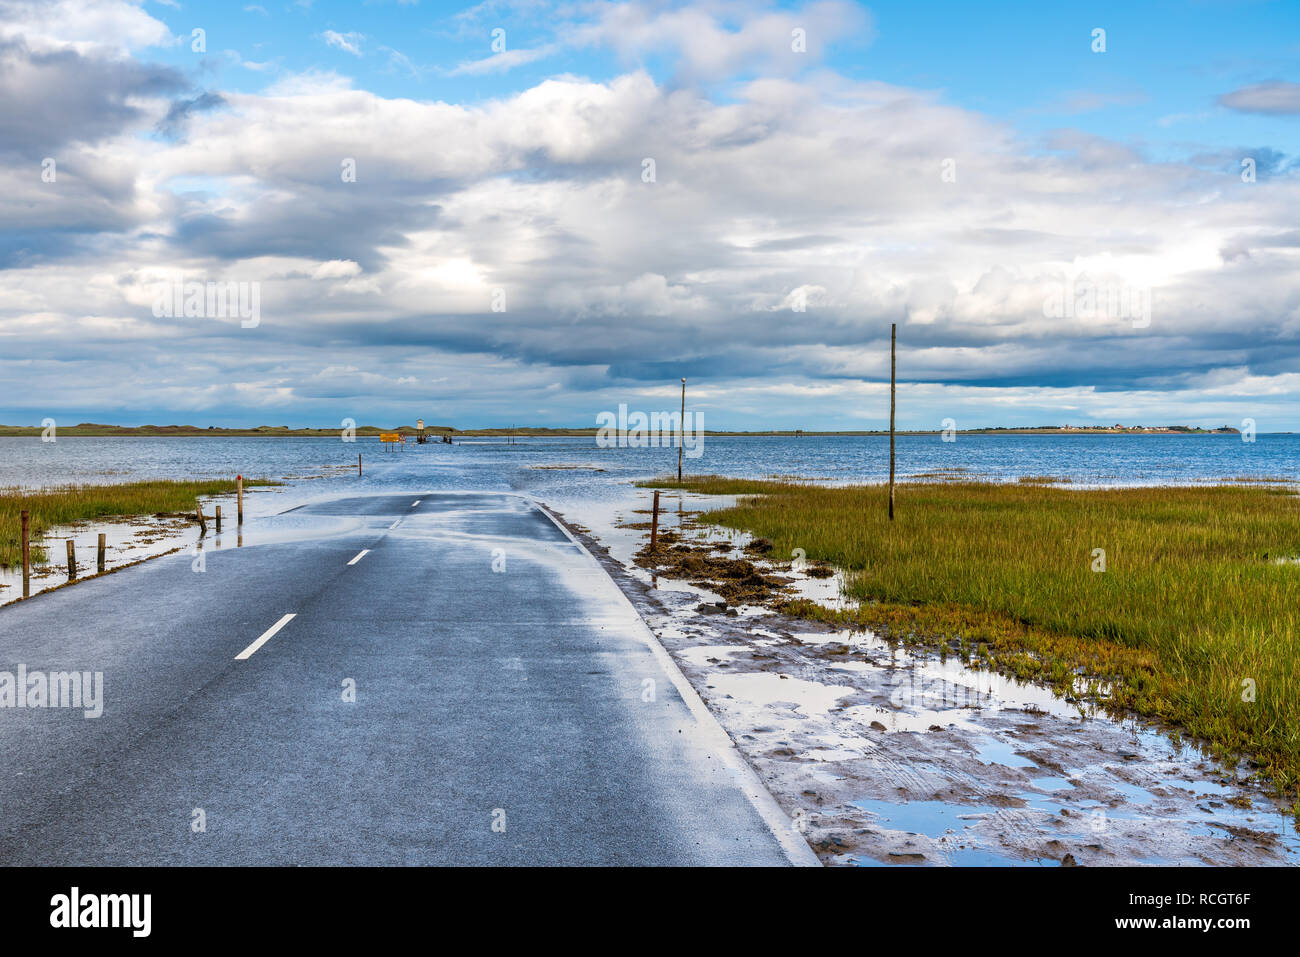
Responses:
[1199,602]
[67,504]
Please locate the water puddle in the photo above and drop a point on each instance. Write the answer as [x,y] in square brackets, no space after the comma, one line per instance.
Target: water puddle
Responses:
[998,751]
[1051,784]
[948,826]
[764,689]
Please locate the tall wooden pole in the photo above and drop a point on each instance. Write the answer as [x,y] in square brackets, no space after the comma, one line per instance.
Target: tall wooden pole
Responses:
[893,339]
[681,435]
[654,524]
[27,555]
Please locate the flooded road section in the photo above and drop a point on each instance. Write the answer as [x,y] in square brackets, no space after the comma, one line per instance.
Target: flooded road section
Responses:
[883,755]
[130,540]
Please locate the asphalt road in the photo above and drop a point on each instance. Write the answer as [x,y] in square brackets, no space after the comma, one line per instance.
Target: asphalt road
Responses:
[529,697]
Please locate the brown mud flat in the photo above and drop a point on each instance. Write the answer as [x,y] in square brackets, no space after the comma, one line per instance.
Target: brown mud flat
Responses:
[737,580]
[889,755]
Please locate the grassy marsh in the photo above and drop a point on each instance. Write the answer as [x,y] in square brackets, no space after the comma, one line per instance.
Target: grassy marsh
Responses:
[67,504]
[1195,620]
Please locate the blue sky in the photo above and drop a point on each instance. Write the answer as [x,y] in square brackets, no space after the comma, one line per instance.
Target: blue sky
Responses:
[1028,63]
[800,205]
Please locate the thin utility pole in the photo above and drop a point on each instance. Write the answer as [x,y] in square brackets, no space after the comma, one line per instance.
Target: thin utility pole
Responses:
[681,425]
[27,555]
[893,339]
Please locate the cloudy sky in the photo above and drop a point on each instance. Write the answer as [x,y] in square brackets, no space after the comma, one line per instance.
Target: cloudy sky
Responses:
[529,212]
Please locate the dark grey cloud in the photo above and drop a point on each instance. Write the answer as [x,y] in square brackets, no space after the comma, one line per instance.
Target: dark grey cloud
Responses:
[1244,246]
[49,100]
[173,124]
[321,224]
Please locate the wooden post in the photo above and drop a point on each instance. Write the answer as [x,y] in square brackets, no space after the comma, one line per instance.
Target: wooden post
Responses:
[27,555]
[358,463]
[239,497]
[893,336]
[203,522]
[218,519]
[99,553]
[681,424]
[654,524]
[72,561]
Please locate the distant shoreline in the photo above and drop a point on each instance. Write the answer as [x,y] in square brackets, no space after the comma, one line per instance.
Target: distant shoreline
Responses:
[191,431]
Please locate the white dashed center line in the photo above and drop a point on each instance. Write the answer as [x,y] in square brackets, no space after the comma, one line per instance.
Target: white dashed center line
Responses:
[416,502]
[266,636]
[360,555]
[395,524]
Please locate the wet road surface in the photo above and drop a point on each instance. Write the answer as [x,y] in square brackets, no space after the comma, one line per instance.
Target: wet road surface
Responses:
[441,679]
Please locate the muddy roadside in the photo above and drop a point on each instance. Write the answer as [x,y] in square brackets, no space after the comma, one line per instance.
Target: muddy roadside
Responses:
[890,755]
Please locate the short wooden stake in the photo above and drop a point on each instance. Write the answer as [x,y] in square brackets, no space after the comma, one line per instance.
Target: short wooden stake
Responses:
[358,463]
[99,552]
[218,519]
[654,524]
[239,495]
[72,561]
[203,522]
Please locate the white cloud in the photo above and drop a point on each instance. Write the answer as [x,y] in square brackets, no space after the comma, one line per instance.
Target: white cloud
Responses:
[796,189]
[336,269]
[87,26]
[710,41]
[500,62]
[347,42]
[1277,97]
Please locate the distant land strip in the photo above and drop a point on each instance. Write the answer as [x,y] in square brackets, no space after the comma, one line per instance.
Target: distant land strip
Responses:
[374,431]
